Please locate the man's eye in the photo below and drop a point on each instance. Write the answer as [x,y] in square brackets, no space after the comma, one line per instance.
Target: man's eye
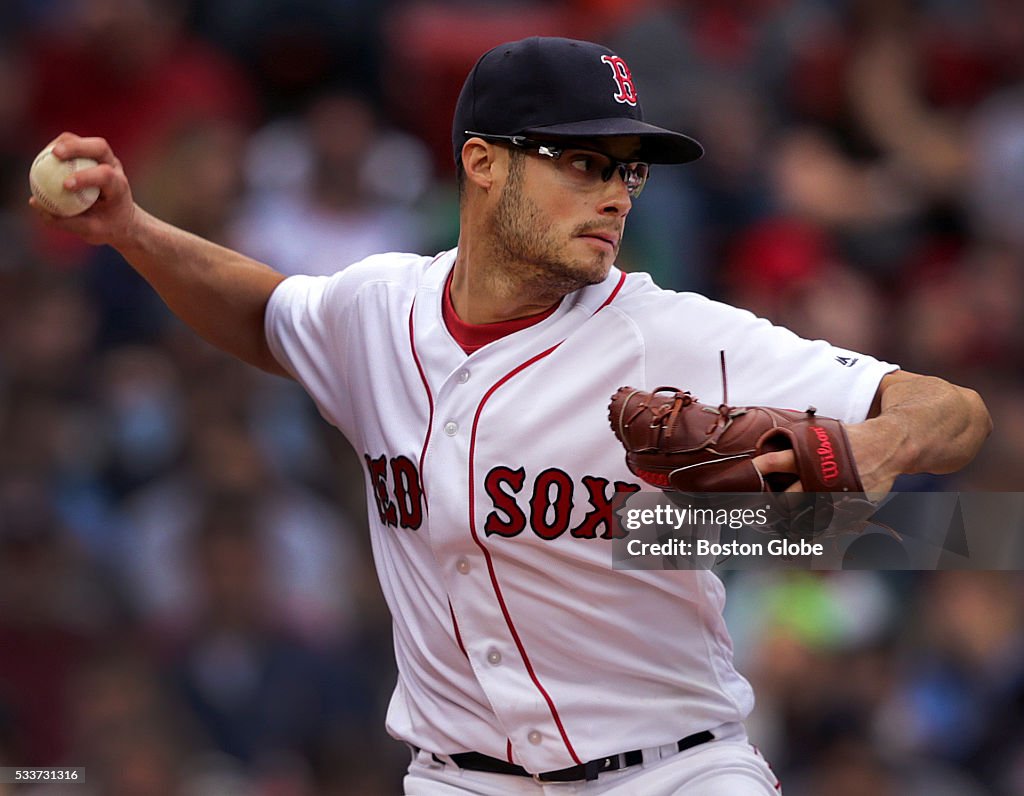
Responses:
[583,162]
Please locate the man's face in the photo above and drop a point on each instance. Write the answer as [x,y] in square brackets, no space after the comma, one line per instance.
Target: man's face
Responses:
[556,224]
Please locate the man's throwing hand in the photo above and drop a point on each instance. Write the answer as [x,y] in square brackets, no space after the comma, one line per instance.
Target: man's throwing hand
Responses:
[110,219]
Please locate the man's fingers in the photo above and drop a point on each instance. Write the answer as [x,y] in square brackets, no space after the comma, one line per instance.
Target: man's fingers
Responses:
[68,145]
[776,462]
[103,176]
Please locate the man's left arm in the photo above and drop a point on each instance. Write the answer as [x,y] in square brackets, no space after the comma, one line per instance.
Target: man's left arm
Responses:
[917,424]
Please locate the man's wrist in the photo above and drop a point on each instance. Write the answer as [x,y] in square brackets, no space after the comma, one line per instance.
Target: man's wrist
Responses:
[130,239]
[898,449]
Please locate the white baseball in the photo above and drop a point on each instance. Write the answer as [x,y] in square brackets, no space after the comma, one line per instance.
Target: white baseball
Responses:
[46,178]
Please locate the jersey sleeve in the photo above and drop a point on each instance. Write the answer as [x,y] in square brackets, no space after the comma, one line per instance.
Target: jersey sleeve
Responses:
[683,334]
[305,325]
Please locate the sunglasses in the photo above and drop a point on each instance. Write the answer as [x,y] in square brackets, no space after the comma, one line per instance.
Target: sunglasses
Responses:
[582,166]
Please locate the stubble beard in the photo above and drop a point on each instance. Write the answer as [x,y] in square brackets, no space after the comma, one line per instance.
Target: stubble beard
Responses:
[529,251]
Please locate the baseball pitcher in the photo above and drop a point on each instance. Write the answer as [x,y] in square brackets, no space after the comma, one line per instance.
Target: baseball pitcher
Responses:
[475,384]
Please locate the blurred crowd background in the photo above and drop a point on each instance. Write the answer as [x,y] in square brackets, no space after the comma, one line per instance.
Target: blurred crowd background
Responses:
[187,603]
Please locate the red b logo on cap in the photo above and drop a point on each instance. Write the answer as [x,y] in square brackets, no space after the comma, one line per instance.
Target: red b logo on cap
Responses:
[623,79]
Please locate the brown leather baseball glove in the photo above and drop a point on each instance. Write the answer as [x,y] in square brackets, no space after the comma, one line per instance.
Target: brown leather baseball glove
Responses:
[673,441]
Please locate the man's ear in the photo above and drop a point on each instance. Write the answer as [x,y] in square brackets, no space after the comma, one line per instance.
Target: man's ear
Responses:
[481,163]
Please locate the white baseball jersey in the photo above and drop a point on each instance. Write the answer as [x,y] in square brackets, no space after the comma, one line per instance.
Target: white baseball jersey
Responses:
[490,479]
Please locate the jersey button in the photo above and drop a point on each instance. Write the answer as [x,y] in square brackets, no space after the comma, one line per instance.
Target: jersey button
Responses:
[450,428]
[463,376]
[534,737]
[493,657]
[462,565]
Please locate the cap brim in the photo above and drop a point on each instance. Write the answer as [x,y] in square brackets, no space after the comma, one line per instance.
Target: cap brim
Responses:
[657,145]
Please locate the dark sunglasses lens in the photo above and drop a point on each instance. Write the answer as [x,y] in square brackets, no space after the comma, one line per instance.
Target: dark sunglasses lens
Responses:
[635,177]
[633,174]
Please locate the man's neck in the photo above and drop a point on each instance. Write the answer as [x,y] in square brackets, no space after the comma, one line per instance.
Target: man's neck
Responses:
[484,291]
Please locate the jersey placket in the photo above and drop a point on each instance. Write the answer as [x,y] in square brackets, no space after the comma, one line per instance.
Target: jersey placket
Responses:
[484,624]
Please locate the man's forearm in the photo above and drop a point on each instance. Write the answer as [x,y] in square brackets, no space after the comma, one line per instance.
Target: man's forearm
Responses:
[219,293]
[924,425]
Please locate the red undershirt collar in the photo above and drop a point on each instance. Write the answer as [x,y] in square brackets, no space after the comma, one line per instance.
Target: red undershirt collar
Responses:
[472,336]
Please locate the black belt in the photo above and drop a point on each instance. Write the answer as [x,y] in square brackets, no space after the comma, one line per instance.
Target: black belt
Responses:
[474,761]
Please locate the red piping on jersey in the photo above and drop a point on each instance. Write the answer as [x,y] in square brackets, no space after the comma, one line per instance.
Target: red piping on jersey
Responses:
[487,555]
[430,403]
[508,751]
[614,293]
[490,564]
[426,388]
[476,539]
[426,439]
[458,635]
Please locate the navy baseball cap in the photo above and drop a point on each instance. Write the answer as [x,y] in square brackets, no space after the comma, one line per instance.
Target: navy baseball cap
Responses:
[556,88]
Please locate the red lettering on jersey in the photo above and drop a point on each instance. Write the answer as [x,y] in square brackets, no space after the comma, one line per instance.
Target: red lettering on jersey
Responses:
[541,502]
[626,93]
[408,492]
[378,470]
[551,504]
[505,502]
[603,512]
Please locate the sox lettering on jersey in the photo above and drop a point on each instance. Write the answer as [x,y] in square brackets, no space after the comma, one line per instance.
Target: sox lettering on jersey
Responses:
[547,511]
[551,503]
[623,79]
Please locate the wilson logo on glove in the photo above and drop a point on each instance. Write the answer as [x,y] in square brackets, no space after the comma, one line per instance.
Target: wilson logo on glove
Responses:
[827,465]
